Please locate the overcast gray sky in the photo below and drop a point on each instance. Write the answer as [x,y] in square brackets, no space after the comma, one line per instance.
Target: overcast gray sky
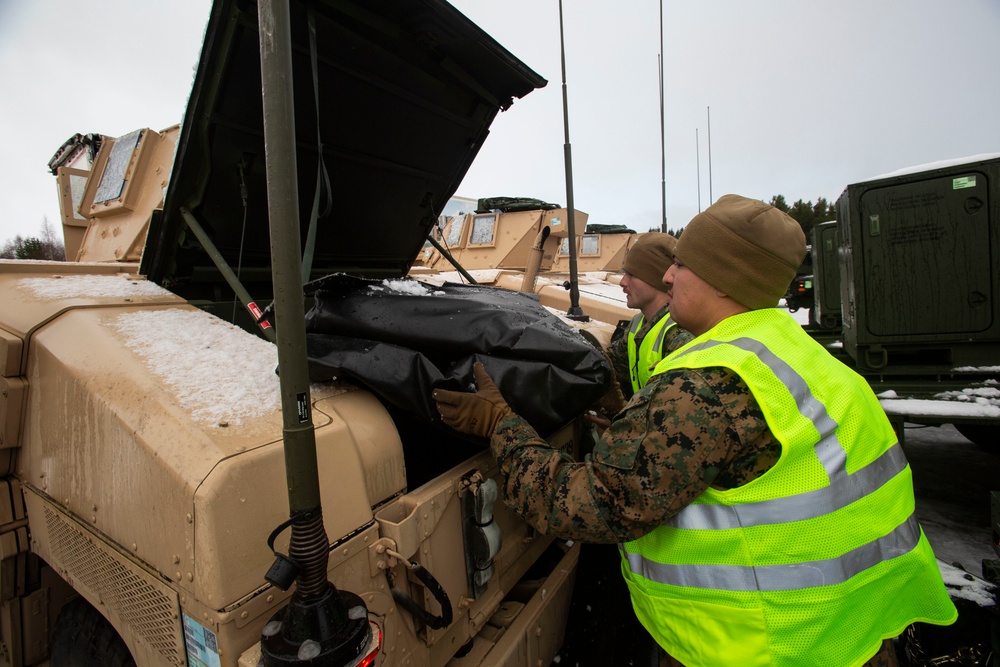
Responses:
[803,97]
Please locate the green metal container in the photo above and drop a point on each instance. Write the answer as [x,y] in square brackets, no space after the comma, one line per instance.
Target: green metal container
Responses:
[920,283]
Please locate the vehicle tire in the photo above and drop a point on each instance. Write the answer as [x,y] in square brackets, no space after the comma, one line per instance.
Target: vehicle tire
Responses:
[84,638]
[984,435]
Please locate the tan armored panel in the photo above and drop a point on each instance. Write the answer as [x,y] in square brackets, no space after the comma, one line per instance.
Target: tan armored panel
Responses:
[10,354]
[71,184]
[595,252]
[492,240]
[127,182]
[504,240]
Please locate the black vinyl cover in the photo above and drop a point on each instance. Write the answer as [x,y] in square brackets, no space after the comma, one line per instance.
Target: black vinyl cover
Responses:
[402,339]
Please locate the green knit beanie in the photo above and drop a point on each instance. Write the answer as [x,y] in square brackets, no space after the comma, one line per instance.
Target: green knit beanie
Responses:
[745,248]
[650,257]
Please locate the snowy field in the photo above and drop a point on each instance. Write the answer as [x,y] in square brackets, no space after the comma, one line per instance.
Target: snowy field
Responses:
[952,479]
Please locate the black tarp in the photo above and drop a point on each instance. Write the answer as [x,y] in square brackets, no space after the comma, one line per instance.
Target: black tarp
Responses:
[402,339]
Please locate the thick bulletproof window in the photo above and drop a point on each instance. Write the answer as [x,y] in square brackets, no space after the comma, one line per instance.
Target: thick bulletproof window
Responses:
[113,180]
[455,231]
[402,339]
[482,229]
[590,245]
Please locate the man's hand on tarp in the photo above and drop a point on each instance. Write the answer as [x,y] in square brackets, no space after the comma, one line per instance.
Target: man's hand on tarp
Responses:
[601,412]
[476,413]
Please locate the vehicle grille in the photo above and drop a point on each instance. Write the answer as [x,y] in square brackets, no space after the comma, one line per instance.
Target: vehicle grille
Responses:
[143,605]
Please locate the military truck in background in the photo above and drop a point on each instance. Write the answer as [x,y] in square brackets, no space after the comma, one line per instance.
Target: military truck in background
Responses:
[522,244]
[143,469]
[502,232]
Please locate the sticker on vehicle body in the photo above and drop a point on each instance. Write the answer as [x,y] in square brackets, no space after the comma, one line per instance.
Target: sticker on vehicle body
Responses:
[201,644]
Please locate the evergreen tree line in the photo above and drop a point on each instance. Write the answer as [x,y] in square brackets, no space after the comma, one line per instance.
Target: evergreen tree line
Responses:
[807,214]
[44,246]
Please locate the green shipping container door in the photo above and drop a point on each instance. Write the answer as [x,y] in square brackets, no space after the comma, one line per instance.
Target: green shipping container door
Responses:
[926,248]
[920,252]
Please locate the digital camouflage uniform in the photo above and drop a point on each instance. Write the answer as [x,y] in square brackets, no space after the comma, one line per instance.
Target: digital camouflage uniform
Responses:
[618,350]
[686,430]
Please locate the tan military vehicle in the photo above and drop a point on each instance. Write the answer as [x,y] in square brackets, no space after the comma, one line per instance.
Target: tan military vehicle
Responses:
[144,434]
[505,238]
[522,244]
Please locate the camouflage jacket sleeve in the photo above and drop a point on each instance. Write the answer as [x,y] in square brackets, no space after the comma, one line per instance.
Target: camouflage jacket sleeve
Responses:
[684,431]
[618,354]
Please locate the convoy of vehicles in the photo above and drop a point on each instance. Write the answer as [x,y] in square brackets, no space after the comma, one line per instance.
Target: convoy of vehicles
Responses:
[142,432]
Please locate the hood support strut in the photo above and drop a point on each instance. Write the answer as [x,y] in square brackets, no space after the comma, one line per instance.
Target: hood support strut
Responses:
[231,278]
[448,256]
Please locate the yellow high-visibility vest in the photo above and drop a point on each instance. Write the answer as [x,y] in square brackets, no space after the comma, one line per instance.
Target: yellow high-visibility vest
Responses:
[820,558]
[649,353]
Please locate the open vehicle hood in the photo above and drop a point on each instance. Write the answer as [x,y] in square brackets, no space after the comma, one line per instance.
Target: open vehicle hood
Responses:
[404,93]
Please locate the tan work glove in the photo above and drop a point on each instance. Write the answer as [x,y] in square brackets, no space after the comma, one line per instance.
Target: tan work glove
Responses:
[475,413]
[612,402]
[606,407]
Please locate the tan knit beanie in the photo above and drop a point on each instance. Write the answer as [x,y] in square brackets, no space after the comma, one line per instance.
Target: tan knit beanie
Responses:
[650,257]
[745,248]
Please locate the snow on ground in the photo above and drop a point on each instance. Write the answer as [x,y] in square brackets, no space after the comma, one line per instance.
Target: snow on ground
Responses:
[952,481]
[961,586]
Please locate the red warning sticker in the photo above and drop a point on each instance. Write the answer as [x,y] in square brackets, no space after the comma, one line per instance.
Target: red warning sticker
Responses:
[257,313]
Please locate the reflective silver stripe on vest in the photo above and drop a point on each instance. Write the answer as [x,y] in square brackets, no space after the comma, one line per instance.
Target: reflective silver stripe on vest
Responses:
[794,576]
[658,343]
[843,489]
[829,450]
[636,323]
[803,506]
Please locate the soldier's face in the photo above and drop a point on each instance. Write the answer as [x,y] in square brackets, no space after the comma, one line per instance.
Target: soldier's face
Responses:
[638,293]
[691,299]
